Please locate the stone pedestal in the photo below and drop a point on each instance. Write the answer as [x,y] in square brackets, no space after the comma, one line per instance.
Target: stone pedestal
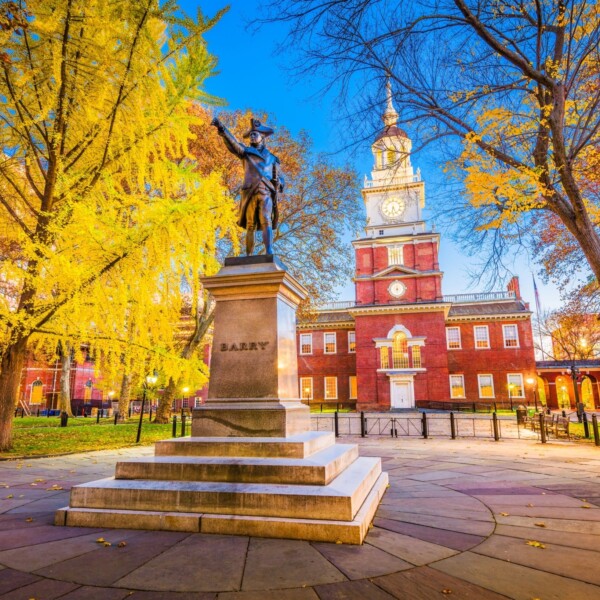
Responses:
[253,389]
[252,465]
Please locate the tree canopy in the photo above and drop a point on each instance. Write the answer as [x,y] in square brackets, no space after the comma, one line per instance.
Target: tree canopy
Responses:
[509,88]
[103,232]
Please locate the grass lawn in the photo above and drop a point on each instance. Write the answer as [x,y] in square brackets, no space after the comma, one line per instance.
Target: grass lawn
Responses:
[42,436]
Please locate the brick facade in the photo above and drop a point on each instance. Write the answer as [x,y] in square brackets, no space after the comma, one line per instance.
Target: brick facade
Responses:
[400,315]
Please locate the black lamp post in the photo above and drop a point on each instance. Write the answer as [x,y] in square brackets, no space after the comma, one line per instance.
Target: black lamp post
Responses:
[574,373]
[532,382]
[150,381]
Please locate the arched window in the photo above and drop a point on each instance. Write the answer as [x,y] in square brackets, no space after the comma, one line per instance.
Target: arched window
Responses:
[37,391]
[541,391]
[391,157]
[562,392]
[587,393]
[400,350]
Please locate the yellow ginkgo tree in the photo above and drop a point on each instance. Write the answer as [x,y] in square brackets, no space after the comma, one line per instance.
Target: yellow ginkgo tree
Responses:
[104,232]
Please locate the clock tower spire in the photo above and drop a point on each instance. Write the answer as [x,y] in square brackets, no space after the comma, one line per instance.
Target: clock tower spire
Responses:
[397,259]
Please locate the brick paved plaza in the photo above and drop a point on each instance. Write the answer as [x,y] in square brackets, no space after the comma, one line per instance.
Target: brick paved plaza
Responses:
[461,519]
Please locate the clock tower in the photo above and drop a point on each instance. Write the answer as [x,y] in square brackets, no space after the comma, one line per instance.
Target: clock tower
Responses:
[399,311]
[397,259]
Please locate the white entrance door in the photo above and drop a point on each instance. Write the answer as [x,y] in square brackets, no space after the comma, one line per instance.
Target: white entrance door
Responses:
[402,394]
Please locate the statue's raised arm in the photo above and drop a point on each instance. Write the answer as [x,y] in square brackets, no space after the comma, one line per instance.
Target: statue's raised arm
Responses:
[262,182]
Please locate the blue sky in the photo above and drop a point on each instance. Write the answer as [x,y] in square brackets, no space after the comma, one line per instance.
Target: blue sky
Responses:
[252,76]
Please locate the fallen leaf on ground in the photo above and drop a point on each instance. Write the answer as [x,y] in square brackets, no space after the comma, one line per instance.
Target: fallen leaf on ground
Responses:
[100,541]
[540,524]
[28,519]
[446,591]
[107,544]
[54,488]
[530,505]
[121,544]
[504,514]
[535,544]
[586,506]
[9,497]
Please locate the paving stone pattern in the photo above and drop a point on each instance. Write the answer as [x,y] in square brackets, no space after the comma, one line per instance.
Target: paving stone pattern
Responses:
[463,519]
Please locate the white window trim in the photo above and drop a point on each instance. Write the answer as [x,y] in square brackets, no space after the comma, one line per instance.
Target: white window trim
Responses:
[350,396]
[325,397]
[325,334]
[448,339]
[398,250]
[197,401]
[522,385]
[504,335]
[487,336]
[311,343]
[462,377]
[352,351]
[479,376]
[302,385]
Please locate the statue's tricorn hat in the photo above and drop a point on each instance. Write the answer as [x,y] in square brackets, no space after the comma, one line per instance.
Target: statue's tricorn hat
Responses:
[255,125]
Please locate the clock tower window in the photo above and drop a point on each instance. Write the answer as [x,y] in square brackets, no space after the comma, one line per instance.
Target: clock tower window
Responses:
[395,255]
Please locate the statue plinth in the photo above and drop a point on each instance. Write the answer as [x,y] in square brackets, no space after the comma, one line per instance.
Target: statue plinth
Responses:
[253,389]
[252,466]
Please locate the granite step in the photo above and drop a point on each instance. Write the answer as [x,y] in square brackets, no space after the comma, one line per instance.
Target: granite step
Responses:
[301,445]
[339,500]
[319,469]
[318,530]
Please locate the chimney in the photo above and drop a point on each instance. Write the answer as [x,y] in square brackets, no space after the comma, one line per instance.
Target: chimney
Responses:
[513,286]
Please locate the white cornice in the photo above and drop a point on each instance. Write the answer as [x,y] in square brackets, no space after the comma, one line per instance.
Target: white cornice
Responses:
[330,325]
[523,316]
[383,276]
[408,238]
[372,309]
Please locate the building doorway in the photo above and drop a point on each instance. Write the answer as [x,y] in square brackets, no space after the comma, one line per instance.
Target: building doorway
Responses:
[402,393]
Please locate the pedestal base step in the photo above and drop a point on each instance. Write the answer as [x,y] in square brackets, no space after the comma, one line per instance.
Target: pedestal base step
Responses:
[301,445]
[318,530]
[340,499]
[319,469]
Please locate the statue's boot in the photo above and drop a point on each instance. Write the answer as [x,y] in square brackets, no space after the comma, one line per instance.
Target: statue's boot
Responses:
[267,233]
[249,242]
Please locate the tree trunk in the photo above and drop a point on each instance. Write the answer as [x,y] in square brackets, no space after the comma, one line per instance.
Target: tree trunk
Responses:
[163,411]
[11,366]
[64,398]
[582,228]
[125,397]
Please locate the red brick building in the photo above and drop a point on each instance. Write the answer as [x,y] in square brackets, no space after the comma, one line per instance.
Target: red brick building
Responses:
[402,341]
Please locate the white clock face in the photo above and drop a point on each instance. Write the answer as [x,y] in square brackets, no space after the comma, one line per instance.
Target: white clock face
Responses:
[397,289]
[393,207]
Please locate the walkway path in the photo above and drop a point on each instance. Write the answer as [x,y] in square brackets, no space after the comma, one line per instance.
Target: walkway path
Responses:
[461,519]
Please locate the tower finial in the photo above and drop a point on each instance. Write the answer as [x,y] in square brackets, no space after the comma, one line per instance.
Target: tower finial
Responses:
[390,116]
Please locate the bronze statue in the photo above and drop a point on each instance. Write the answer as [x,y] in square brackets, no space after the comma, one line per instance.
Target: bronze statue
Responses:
[262,182]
